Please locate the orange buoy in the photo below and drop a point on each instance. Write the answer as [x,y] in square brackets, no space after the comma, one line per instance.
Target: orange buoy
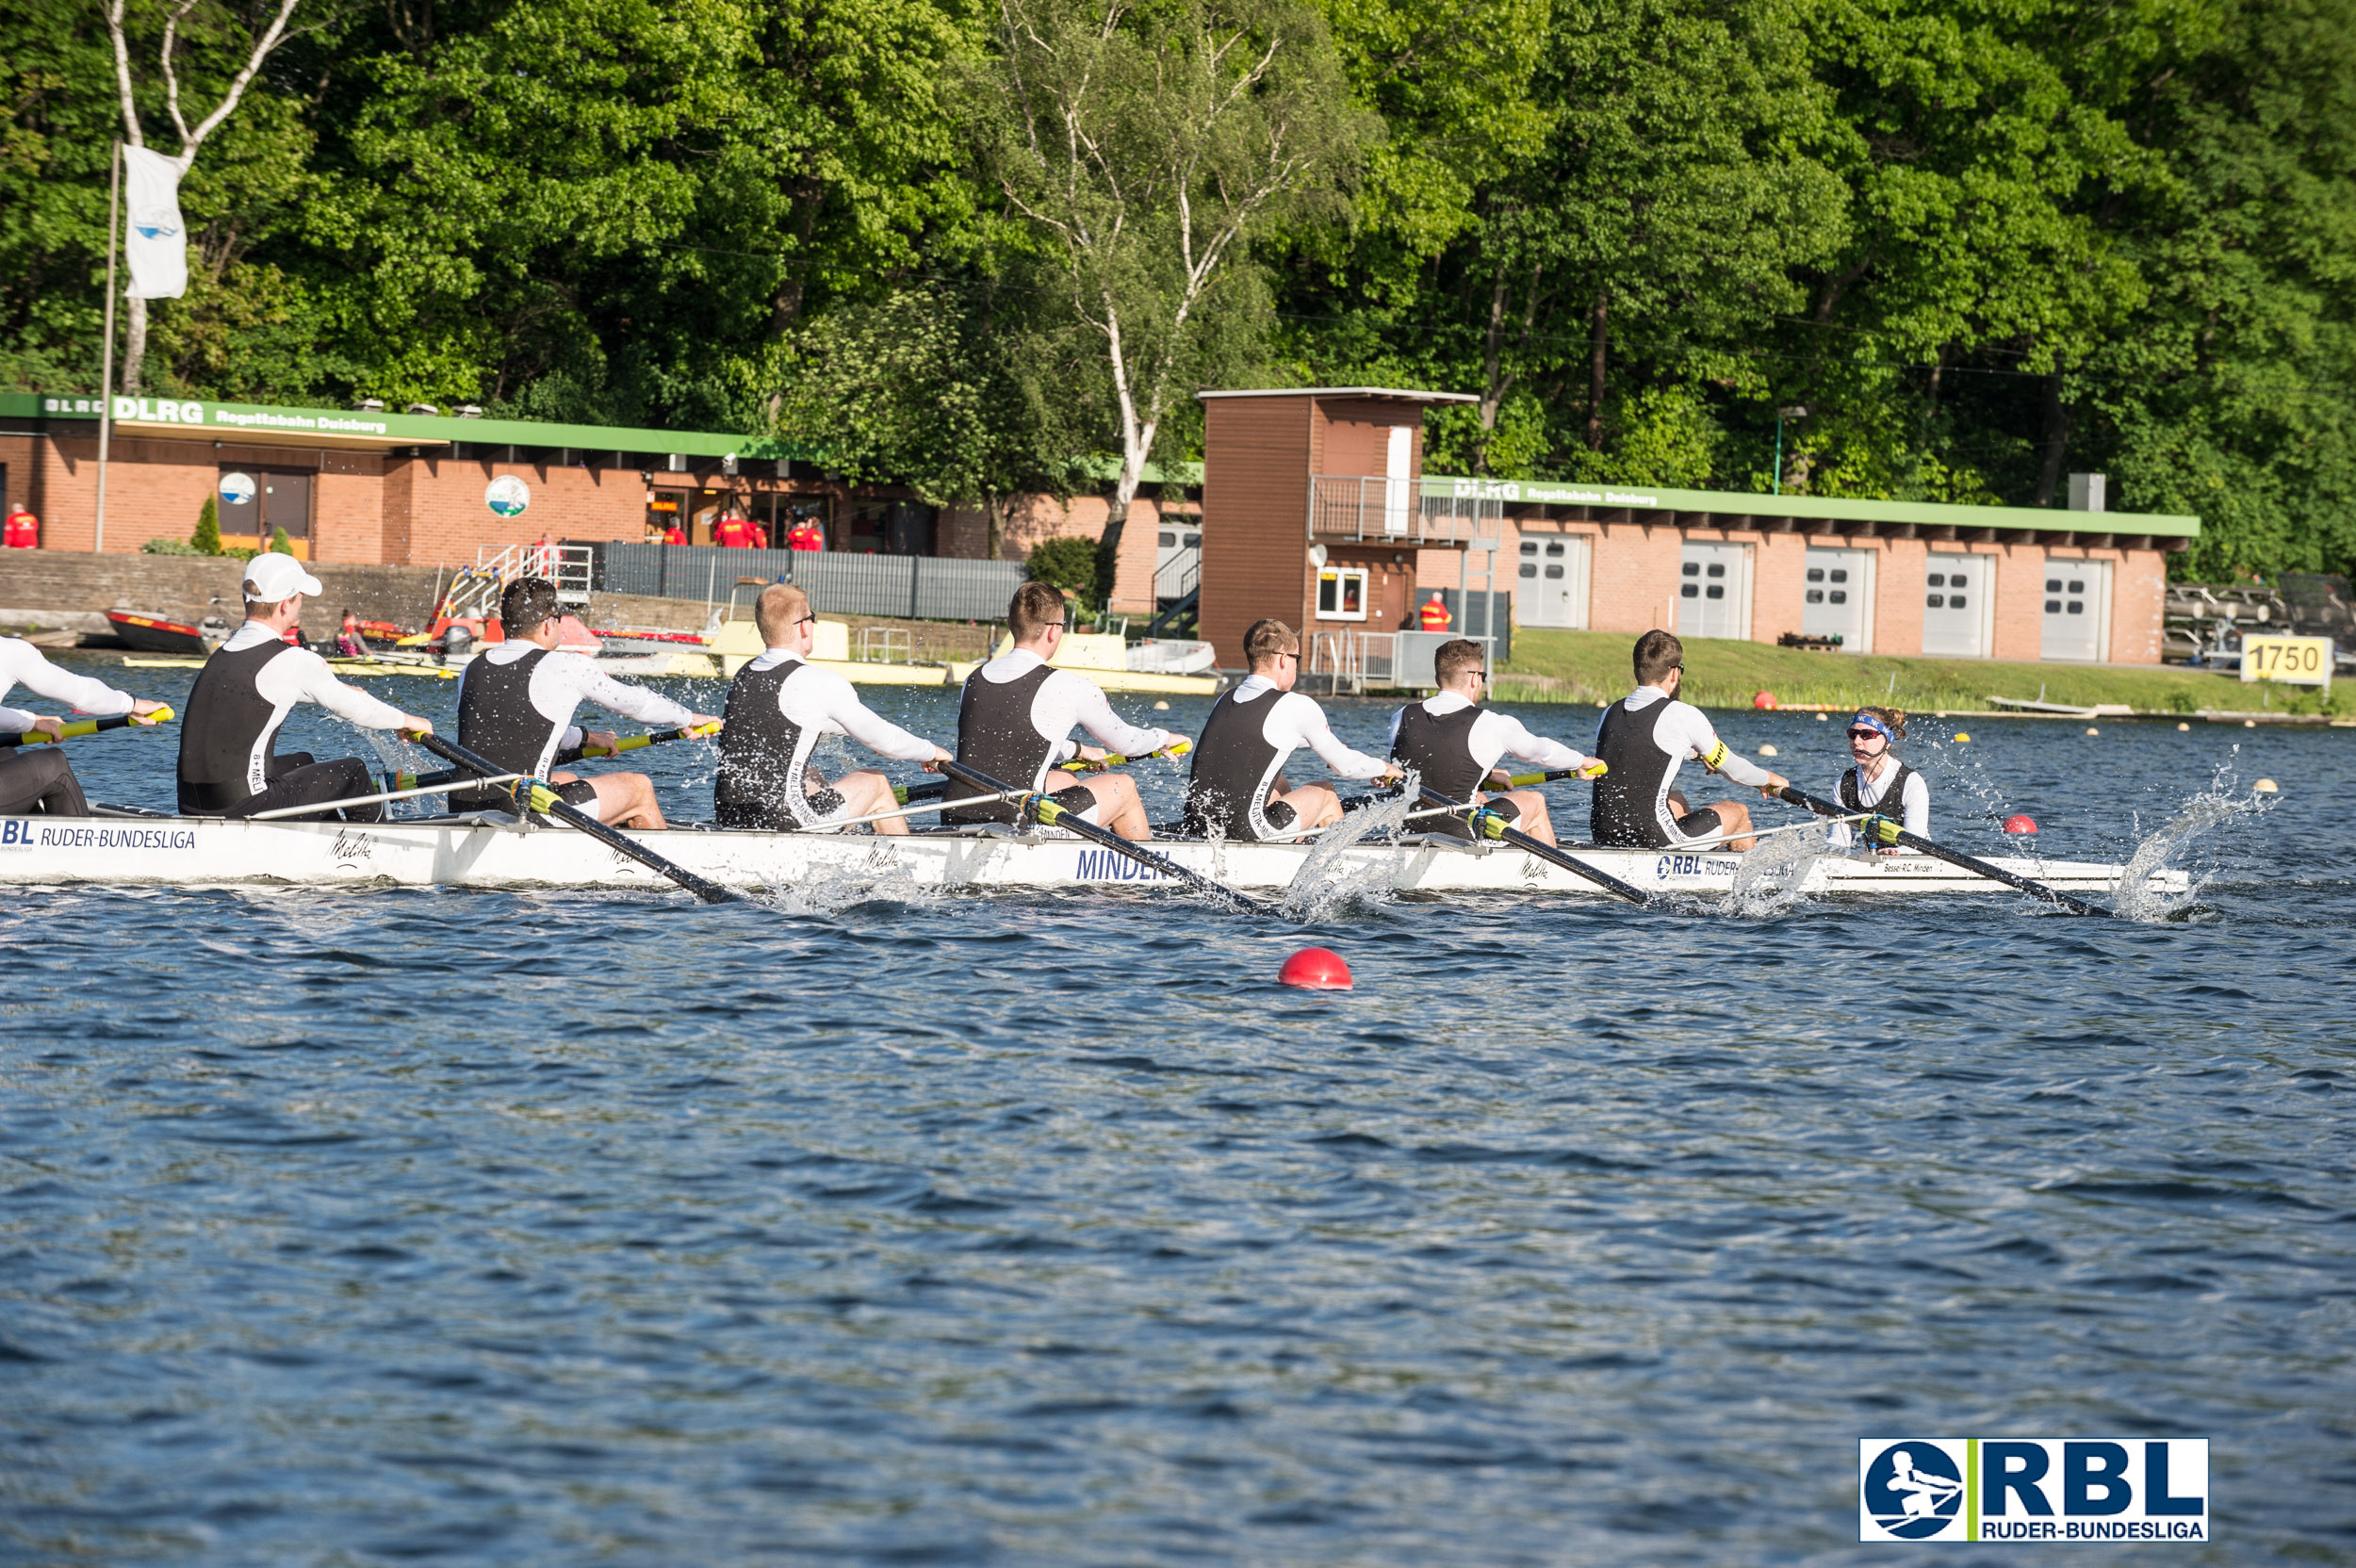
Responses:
[1763,700]
[1317,969]
[2018,824]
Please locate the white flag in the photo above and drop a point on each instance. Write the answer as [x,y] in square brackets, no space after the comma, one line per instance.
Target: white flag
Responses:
[157,244]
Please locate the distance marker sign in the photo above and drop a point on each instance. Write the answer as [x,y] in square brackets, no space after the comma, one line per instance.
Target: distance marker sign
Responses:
[2292,660]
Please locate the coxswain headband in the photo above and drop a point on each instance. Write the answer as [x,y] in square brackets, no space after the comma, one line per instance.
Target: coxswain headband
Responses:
[1869,721]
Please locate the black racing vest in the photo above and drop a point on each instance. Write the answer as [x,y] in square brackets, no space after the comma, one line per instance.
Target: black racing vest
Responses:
[1626,812]
[995,736]
[1441,750]
[760,747]
[1893,804]
[1233,765]
[230,732]
[498,723]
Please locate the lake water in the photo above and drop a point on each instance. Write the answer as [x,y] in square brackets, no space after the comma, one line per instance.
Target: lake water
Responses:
[381,1227]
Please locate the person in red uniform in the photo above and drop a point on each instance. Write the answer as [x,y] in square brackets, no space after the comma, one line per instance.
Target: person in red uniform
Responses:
[673,534]
[22,529]
[761,536]
[1435,615]
[806,535]
[732,531]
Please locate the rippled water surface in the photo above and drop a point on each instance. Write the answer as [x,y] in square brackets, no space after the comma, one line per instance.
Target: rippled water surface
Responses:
[373,1227]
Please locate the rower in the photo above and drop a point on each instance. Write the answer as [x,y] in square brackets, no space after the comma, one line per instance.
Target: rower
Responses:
[1237,789]
[229,765]
[1455,743]
[1879,777]
[515,704]
[39,778]
[780,708]
[1645,737]
[1015,723]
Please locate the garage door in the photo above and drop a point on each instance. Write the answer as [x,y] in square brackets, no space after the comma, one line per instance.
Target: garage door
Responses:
[1958,593]
[1550,587]
[1714,591]
[2077,620]
[1837,598]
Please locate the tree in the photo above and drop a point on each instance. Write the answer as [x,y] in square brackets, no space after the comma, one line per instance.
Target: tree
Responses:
[1141,150]
[206,540]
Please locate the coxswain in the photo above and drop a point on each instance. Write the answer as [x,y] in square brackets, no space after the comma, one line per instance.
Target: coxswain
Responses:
[1879,780]
[1435,615]
[780,706]
[1015,719]
[229,765]
[1454,743]
[39,778]
[1237,790]
[1644,739]
[515,705]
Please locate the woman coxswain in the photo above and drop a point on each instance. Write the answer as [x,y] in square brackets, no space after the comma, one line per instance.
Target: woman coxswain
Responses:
[1879,782]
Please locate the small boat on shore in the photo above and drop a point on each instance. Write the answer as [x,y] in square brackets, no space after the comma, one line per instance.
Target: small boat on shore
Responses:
[156,634]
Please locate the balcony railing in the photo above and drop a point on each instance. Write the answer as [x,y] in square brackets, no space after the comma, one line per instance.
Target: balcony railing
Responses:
[1177,577]
[1398,512]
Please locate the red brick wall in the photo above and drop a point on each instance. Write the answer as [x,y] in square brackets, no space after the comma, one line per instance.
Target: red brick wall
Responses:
[449,523]
[2138,606]
[1898,590]
[348,508]
[2020,599]
[1634,586]
[1778,583]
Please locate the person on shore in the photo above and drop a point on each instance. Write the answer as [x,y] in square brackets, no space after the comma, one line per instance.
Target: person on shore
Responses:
[1455,743]
[1237,789]
[732,531]
[806,534]
[1015,723]
[516,705]
[780,708]
[1644,739]
[1879,782]
[21,532]
[39,778]
[350,642]
[229,765]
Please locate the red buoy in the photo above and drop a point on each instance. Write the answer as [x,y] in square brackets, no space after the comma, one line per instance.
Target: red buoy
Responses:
[2018,824]
[1317,969]
[1765,700]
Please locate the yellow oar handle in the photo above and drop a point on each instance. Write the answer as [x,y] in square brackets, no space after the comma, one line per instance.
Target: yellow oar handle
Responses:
[1596,768]
[656,737]
[80,727]
[1178,747]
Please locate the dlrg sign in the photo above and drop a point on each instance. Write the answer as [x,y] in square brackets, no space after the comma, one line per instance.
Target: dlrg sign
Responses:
[2032,1489]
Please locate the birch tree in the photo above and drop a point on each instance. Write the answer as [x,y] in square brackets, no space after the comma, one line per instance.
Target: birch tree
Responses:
[178,14]
[1141,150]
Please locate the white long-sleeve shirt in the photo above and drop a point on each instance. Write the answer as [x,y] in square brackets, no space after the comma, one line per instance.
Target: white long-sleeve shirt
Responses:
[301,676]
[1914,806]
[563,681]
[821,702]
[1683,733]
[22,664]
[1294,721]
[1066,701]
[1494,735]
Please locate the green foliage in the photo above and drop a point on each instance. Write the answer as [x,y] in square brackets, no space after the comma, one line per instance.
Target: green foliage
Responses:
[206,540]
[1069,563]
[280,543]
[171,547]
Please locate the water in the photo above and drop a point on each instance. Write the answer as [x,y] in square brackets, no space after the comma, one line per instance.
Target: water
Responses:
[366,1228]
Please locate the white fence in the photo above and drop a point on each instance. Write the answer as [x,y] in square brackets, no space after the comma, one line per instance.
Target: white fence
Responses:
[913,587]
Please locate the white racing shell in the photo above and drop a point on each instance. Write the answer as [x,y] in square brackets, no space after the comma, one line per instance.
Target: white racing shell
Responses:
[207,852]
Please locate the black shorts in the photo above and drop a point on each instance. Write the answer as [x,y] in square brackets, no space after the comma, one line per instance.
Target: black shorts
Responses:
[1079,800]
[39,779]
[762,816]
[1699,824]
[296,780]
[1281,817]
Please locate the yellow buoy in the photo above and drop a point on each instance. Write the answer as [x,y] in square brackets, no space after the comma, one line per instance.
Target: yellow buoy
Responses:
[2091,730]
[2181,727]
[2250,724]
[1161,707]
[2266,786]
[1962,739]
[1768,751]
[1824,718]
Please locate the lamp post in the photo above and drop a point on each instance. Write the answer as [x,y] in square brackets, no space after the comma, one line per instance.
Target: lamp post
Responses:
[1797,411]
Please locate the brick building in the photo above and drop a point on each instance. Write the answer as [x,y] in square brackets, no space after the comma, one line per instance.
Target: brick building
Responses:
[1317,510]
[363,486]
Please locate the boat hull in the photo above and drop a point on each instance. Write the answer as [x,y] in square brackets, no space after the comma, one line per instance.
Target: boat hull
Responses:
[198,852]
[153,634]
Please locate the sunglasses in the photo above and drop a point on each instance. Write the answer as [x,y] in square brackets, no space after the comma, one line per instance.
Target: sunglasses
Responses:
[1863,734]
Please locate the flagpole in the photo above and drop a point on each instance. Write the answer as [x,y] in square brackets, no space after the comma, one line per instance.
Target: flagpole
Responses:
[107,363]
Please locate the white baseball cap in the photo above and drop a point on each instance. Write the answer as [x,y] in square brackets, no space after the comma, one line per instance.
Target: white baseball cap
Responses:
[271,579]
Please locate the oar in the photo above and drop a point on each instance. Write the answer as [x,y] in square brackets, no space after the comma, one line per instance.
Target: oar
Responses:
[905,793]
[535,796]
[1980,868]
[570,754]
[1496,827]
[80,727]
[1053,816]
[1581,776]
[1178,747]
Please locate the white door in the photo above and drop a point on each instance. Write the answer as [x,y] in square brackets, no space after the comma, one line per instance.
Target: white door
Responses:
[1550,588]
[1714,591]
[1839,597]
[2077,610]
[1398,458]
[1958,593]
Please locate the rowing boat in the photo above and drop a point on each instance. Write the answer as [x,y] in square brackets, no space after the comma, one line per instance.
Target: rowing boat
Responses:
[491,851]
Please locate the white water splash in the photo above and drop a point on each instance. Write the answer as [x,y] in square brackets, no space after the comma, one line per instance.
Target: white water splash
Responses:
[1326,882]
[396,755]
[1774,873]
[2134,897]
[825,892]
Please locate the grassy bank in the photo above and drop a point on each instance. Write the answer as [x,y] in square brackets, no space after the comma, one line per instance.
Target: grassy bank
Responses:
[1587,667]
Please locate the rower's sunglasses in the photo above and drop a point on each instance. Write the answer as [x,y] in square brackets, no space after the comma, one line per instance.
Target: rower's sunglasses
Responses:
[1861,734]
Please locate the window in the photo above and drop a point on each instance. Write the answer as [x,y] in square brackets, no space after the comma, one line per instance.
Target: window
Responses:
[1717,589]
[2052,607]
[1936,601]
[1938,579]
[1194,541]
[1840,574]
[1840,595]
[1955,601]
[1815,574]
[1815,596]
[2052,585]
[1529,569]
[1553,571]
[1529,546]
[1342,594]
[2077,607]
[1691,591]
[2077,587]
[1956,579]
[1554,549]
[1169,540]
[1717,568]
[1693,568]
